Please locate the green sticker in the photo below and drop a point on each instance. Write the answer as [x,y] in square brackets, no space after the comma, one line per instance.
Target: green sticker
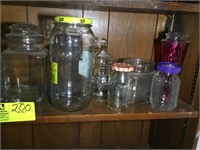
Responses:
[54,72]
[17,111]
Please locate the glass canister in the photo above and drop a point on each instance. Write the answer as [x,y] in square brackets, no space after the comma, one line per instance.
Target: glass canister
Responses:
[174,47]
[102,68]
[143,72]
[165,86]
[120,89]
[71,55]
[25,60]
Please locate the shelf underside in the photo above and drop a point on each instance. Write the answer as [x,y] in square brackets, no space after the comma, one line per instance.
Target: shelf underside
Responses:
[98,111]
[128,5]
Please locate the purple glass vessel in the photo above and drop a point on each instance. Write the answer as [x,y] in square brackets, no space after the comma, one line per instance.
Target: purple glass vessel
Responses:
[174,47]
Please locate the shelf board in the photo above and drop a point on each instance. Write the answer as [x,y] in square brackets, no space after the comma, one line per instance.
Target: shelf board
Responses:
[98,111]
[155,5]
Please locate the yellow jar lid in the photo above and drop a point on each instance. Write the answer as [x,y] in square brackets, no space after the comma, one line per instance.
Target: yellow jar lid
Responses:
[75,20]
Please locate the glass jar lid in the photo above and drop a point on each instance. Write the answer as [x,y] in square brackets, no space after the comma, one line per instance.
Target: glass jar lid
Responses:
[122,67]
[177,36]
[169,67]
[140,65]
[102,56]
[74,20]
[23,30]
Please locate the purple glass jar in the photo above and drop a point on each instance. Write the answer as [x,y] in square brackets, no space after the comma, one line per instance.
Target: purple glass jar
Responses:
[174,47]
[165,86]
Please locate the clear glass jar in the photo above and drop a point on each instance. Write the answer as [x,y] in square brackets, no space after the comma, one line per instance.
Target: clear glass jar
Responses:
[143,72]
[71,55]
[174,47]
[102,68]
[120,88]
[25,61]
[165,86]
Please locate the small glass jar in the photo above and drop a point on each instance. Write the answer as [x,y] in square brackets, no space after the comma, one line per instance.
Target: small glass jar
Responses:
[165,86]
[71,55]
[25,61]
[174,47]
[102,68]
[120,89]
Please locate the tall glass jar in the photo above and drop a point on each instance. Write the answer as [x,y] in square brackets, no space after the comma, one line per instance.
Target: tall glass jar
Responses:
[174,47]
[25,61]
[165,86]
[120,88]
[71,55]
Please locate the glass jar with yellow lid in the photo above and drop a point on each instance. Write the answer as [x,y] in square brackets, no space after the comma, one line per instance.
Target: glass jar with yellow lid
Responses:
[72,46]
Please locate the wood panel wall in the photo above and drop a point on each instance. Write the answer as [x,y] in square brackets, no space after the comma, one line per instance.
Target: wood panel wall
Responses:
[129,34]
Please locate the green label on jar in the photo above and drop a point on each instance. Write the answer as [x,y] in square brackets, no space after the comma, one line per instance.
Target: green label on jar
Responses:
[54,72]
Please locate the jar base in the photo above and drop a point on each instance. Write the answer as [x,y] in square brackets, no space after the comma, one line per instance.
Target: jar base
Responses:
[163,109]
[118,109]
[69,105]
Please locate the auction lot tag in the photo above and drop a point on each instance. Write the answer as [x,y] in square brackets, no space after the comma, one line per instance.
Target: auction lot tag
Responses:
[17,111]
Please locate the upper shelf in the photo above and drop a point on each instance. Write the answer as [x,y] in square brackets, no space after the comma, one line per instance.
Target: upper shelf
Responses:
[155,5]
[98,111]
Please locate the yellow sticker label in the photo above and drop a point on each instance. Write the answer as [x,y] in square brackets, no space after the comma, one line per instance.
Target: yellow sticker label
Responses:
[17,111]
[54,72]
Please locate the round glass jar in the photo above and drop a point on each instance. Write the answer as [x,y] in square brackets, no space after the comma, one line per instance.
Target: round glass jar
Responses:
[120,89]
[143,72]
[165,86]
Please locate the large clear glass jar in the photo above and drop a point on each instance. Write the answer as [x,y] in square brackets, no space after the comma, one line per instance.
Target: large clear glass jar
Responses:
[71,55]
[101,72]
[120,88]
[165,86]
[25,61]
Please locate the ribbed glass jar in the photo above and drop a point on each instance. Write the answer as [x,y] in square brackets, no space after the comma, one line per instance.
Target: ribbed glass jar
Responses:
[165,86]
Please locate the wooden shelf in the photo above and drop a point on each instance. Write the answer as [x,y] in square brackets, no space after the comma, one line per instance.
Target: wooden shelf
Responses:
[97,111]
[128,5]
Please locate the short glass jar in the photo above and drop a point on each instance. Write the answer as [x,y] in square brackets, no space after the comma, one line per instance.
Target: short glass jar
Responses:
[25,60]
[143,72]
[120,88]
[165,86]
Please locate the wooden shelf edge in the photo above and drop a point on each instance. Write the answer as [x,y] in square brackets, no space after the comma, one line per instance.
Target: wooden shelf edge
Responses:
[98,111]
[153,5]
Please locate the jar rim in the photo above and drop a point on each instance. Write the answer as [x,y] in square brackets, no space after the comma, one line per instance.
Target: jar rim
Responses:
[24,31]
[169,67]
[122,67]
[73,20]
